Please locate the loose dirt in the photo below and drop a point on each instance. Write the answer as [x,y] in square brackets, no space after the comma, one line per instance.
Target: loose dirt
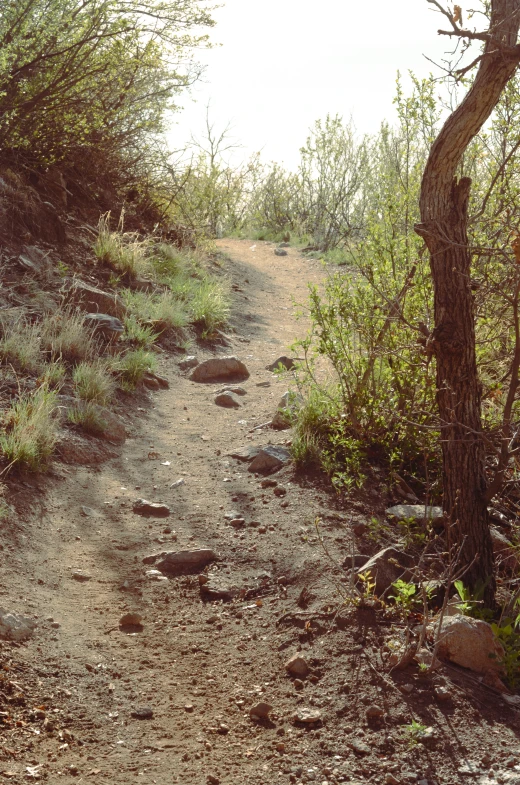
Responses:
[168,700]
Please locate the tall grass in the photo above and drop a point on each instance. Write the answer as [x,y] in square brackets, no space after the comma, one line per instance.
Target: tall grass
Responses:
[20,345]
[122,251]
[94,382]
[30,430]
[65,336]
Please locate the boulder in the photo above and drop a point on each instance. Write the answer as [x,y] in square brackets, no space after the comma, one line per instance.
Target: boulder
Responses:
[417,511]
[297,666]
[90,299]
[386,567]
[270,459]
[470,643]
[220,369]
[505,552]
[228,400]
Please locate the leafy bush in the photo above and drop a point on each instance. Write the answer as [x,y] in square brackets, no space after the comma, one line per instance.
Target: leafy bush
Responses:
[30,431]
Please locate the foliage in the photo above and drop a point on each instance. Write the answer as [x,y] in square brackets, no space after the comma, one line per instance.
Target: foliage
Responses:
[103,72]
[29,430]
[405,596]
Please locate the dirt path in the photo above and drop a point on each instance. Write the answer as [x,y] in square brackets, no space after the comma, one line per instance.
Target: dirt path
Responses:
[84,701]
[215,658]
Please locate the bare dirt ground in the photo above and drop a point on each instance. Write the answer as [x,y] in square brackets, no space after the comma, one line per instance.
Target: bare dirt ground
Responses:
[72,697]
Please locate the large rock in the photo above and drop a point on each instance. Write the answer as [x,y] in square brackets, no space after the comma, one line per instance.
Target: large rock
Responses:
[417,511]
[270,459]
[90,299]
[220,369]
[506,555]
[14,627]
[103,324]
[386,567]
[470,643]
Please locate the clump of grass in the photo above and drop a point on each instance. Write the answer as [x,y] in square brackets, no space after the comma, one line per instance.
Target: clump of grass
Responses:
[30,430]
[122,251]
[165,309]
[89,418]
[93,382]
[210,304]
[133,367]
[53,375]
[169,262]
[138,333]
[65,336]
[20,345]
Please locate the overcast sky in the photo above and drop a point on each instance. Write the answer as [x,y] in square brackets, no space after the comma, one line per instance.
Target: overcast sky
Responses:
[284,63]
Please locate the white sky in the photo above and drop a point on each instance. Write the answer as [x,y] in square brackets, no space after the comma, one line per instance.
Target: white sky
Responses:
[282,64]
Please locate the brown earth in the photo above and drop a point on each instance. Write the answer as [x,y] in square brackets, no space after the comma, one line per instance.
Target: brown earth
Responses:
[68,697]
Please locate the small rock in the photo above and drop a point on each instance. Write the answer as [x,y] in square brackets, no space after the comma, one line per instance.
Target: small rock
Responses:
[108,326]
[80,575]
[14,627]
[297,666]
[284,245]
[188,362]
[211,780]
[131,619]
[142,713]
[220,368]
[89,512]
[470,643]
[268,483]
[280,491]
[263,384]
[146,508]
[234,389]
[188,707]
[270,458]
[286,363]
[390,779]
[237,523]
[260,711]
[417,511]
[374,712]
[228,400]
[407,688]
[359,747]
[223,729]
[307,716]
[177,483]
[171,561]
[386,567]
[280,252]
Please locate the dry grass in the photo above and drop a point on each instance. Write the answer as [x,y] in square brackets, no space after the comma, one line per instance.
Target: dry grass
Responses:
[20,345]
[65,337]
[122,251]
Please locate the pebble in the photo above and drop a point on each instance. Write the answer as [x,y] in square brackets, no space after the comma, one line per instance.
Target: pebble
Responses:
[228,400]
[307,715]
[80,575]
[375,711]
[297,666]
[146,508]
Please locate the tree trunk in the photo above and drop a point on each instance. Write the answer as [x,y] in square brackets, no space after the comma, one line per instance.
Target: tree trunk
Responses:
[444,222]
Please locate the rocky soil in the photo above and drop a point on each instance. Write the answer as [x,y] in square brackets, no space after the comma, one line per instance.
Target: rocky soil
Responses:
[144,669]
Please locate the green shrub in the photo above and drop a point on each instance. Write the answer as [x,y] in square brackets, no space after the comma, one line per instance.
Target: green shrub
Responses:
[94,382]
[30,430]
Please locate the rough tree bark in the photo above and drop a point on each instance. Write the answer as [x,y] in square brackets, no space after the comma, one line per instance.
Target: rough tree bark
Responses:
[444,223]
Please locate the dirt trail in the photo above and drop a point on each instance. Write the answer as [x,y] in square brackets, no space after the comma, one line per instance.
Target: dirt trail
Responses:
[214,658]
